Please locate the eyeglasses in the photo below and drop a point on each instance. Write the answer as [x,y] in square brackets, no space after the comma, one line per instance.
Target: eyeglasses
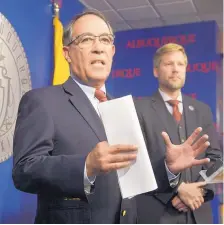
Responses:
[87,40]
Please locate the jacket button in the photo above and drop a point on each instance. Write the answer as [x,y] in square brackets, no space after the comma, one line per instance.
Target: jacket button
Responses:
[124,212]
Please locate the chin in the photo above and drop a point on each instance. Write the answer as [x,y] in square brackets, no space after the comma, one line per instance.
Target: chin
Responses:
[99,78]
[176,85]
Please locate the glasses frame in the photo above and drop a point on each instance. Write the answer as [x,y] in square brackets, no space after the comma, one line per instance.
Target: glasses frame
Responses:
[90,34]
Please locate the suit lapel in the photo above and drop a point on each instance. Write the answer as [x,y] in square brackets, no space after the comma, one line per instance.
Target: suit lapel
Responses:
[190,115]
[82,104]
[163,114]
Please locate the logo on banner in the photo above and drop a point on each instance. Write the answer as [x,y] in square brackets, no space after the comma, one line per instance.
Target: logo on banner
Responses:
[14,82]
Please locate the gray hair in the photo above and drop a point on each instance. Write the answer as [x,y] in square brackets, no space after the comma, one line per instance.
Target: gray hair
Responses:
[68,30]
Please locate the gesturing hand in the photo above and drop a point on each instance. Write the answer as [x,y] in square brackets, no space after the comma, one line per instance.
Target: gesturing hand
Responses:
[105,158]
[180,157]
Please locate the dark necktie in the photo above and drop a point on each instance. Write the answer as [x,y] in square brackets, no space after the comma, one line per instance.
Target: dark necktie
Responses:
[100,95]
[176,113]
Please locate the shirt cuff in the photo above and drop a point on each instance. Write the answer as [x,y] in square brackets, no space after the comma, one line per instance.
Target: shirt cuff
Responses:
[88,182]
[173,179]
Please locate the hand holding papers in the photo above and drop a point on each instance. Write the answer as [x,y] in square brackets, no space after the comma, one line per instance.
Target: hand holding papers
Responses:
[122,127]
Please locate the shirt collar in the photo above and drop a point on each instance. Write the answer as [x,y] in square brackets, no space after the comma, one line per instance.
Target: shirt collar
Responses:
[166,97]
[89,91]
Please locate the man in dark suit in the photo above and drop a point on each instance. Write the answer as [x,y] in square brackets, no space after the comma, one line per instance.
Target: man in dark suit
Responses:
[171,111]
[60,146]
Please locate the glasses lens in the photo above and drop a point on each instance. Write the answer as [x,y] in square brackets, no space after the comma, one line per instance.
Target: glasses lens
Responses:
[107,39]
[85,40]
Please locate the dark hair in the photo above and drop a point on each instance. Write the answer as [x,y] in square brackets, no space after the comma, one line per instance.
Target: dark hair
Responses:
[68,30]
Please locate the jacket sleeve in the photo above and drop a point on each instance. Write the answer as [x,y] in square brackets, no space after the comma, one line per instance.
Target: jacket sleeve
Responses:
[35,170]
[213,151]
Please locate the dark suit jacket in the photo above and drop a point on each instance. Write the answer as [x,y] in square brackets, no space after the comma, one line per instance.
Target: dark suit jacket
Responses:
[152,114]
[56,129]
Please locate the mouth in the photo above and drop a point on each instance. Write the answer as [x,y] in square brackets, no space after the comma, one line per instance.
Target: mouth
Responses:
[175,78]
[98,62]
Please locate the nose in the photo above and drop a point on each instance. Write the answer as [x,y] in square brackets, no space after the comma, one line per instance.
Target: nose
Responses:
[175,67]
[98,47]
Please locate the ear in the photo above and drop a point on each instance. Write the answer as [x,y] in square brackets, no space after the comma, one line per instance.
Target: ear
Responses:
[155,72]
[66,53]
[113,50]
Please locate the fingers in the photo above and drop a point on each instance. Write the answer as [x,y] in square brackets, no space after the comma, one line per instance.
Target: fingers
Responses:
[197,162]
[200,142]
[197,203]
[201,184]
[105,158]
[191,206]
[176,200]
[166,139]
[194,135]
[114,149]
[201,148]
[122,157]
[185,209]
[179,205]
[119,165]
[201,199]
[108,167]
[202,192]
[116,161]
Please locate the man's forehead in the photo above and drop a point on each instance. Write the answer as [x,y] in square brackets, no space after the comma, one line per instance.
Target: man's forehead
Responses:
[90,24]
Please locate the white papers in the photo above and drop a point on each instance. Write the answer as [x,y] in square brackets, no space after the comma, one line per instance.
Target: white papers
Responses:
[122,127]
[215,178]
[215,173]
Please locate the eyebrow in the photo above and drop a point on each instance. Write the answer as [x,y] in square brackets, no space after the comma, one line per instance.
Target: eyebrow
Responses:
[88,33]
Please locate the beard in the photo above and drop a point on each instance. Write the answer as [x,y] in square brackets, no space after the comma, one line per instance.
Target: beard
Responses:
[172,85]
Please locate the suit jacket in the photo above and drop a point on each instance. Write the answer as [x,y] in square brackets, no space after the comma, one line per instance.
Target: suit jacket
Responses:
[56,129]
[152,114]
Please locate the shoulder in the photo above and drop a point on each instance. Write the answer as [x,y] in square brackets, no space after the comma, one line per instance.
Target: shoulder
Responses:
[143,105]
[41,95]
[196,103]
[43,92]
[142,101]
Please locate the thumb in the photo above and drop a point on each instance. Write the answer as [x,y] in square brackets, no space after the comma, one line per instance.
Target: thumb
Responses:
[166,139]
[201,184]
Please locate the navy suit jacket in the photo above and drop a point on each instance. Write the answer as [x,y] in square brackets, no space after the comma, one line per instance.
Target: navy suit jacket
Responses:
[56,129]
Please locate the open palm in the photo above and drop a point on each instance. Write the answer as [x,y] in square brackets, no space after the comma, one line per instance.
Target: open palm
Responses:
[183,156]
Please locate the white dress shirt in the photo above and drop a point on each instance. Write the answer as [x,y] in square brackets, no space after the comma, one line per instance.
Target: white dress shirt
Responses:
[166,98]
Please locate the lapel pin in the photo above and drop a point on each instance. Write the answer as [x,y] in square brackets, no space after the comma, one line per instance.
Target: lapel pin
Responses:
[191,107]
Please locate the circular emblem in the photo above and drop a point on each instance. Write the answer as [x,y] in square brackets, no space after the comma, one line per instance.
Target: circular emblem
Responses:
[14,82]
